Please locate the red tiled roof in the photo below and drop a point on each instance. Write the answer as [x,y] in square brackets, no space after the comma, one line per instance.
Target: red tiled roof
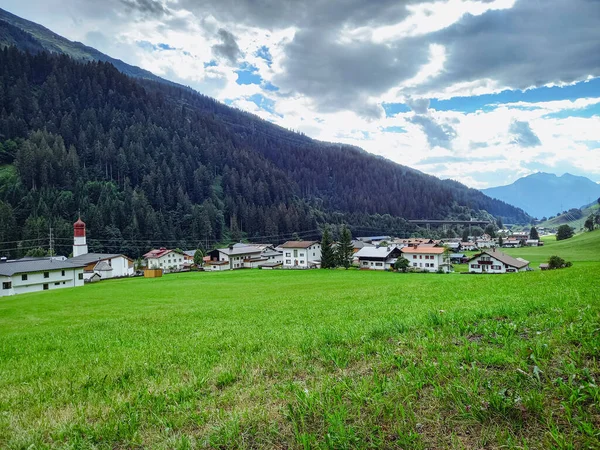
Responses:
[157,253]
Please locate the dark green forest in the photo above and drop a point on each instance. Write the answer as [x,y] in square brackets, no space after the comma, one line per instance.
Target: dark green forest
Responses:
[146,163]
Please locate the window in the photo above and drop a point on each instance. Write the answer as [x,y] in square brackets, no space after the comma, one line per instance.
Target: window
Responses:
[46,274]
[365,263]
[295,253]
[81,276]
[288,254]
[24,277]
[496,267]
[414,264]
[287,261]
[7,285]
[301,262]
[474,266]
[314,254]
[301,254]
[45,286]
[379,264]
[414,256]
[57,283]
[420,256]
[62,273]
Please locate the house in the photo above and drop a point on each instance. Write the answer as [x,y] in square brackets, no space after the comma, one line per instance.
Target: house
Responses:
[105,265]
[357,244]
[162,258]
[301,254]
[511,243]
[458,258]
[544,266]
[236,256]
[378,258]
[485,243]
[427,259]
[38,274]
[494,261]
[468,246]
[454,246]
[271,265]
[532,242]
[188,256]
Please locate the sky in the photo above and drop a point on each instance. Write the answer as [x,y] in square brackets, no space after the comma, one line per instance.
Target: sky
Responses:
[483,92]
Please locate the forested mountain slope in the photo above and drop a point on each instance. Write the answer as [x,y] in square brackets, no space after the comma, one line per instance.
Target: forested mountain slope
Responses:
[145,162]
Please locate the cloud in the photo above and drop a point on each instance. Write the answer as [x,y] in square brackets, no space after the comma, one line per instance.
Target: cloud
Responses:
[523,134]
[438,135]
[146,7]
[228,48]
[418,105]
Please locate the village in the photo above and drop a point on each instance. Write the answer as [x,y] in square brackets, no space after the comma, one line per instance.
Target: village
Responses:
[481,254]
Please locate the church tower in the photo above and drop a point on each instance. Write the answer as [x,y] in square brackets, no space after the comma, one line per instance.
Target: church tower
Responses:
[79,243]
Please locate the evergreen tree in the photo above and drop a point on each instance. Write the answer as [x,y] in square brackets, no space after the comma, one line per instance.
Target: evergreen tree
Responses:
[589,223]
[465,235]
[344,249]
[564,232]
[327,254]
[533,233]
[500,241]
[198,255]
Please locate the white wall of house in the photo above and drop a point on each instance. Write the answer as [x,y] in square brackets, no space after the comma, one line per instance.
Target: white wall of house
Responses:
[301,258]
[496,266]
[171,260]
[426,262]
[373,264]
[211,267]
[39,281]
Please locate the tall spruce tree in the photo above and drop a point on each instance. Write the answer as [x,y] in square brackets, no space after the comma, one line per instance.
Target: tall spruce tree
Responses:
[344,249]
[327,255]
[533,233]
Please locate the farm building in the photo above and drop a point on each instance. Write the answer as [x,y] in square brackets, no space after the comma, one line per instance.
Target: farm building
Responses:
[38,274]
[494,261]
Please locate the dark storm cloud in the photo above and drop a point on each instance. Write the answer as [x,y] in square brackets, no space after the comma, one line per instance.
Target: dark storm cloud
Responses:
[440,135]
[228,48]
[523,135]
[529,45]
[146,7]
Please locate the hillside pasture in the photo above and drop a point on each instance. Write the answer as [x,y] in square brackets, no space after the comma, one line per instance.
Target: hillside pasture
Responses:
[308,359]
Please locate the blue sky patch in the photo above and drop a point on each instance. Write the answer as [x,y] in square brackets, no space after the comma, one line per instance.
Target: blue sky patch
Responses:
[543,94]
[248,74]
[587,112]
[263,102]
[391,109]
[394,129]
[268,86]
[165,46]
[264,53]
[211,63]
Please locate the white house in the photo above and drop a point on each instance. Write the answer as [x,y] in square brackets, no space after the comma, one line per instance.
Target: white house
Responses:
[38,274]
[377,258]
[494,261]
[485,243]
[532,242]
[165,259]
[511,243]
[301,254]
[238,256]
[105,265]
[468,246]
[426,259]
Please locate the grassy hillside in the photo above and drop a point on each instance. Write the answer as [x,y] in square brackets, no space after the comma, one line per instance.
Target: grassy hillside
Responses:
[567,219]
[582,247]
[307,359]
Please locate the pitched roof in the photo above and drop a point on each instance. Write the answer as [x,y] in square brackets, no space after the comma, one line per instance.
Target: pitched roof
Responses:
[10,268]
[298,244]
[89,258]
[422,250]
[375,252]
[157,253]
[504,258]
[103,266]
[360,244]
[243,250]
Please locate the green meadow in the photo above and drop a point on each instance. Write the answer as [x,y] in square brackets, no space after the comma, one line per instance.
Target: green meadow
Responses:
[310,359]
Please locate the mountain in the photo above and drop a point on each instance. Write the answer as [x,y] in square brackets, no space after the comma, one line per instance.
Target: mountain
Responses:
[545,194]
[147,163]
[30,36]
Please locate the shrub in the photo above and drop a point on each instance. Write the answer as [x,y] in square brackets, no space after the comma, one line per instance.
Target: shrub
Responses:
[556,262]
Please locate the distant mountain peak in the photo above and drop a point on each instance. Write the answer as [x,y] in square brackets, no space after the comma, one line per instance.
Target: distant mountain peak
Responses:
[543,194]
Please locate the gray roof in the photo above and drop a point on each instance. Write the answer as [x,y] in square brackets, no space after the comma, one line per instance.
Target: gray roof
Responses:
[103,266]
[89,258]
[375,252]
[360,244]
[503,257]
[242,250]
[36,265]
[458,255]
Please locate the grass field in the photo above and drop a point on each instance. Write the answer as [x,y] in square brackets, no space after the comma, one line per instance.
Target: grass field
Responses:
[309,359]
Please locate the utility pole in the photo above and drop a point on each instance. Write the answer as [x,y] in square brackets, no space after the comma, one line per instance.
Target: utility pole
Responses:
[51,251]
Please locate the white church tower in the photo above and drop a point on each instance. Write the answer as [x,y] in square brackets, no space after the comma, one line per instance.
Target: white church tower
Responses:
[79,244]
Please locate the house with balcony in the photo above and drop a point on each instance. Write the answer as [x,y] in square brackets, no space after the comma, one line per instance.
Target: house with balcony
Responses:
[378,258]
[426,258]
[495,261]
[301,254]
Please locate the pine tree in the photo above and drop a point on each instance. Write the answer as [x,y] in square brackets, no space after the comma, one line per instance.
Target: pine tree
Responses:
[327,255]
[533,233]
[344,249]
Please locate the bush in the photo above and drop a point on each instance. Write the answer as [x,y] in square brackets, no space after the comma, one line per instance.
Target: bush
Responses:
[564,232]
[556,262]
